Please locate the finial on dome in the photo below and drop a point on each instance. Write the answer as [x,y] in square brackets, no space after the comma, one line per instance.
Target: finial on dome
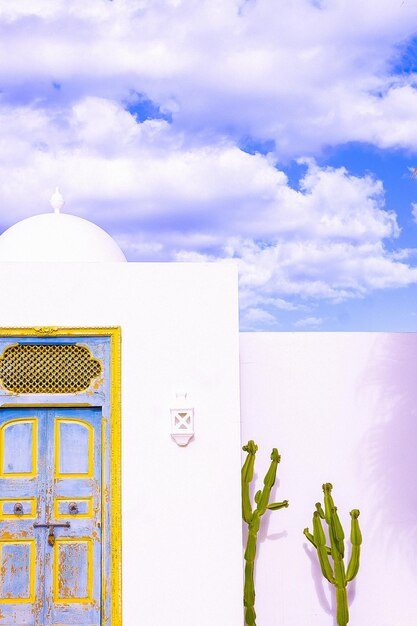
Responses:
[57,201]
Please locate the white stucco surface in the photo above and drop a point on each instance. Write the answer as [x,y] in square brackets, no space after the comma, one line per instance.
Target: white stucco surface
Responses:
[56,237]
[341,408]
[181,506]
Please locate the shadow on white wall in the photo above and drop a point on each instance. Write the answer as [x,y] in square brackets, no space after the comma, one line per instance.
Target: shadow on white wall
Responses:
[390,445]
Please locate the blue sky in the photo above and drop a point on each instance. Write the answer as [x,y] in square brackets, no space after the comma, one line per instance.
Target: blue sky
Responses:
[280,135]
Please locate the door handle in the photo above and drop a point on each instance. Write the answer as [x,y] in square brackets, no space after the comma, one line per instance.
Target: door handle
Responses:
[18,508]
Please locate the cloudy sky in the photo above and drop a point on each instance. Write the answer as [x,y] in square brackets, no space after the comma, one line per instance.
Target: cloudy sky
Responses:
[281,134]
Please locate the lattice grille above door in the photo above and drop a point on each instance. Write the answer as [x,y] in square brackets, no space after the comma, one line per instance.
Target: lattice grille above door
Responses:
[48,368]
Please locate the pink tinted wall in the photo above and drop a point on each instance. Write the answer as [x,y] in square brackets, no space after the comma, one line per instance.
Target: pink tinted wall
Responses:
[341,408]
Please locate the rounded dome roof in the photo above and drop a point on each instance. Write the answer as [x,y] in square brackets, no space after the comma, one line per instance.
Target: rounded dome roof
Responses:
[58,237]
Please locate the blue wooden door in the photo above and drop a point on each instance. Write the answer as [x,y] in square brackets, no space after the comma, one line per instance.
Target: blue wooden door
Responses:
[50,517]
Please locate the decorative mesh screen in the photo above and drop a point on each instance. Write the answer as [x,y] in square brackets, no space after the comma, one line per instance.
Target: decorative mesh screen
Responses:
[47,368]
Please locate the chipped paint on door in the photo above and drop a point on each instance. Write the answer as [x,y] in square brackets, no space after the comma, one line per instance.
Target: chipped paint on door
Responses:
[50,516]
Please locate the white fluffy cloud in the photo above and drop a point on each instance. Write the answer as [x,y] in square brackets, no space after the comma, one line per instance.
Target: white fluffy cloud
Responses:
[300,75]
[309,322]
[164,199]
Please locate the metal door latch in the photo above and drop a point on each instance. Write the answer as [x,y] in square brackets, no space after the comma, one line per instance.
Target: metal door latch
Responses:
[51,536]
[51,526]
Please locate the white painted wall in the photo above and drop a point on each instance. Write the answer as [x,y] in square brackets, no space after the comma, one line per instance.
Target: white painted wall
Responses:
[341,408]
[181,506]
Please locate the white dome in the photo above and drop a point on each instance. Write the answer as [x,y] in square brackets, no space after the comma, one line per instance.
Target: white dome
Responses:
[58,237]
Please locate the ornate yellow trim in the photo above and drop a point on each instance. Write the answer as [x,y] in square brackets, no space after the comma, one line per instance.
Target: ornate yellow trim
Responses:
[66,361]
[116,477]
[45,405]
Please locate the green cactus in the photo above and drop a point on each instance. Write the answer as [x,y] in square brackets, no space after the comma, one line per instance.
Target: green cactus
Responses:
[337,576]
[253,520]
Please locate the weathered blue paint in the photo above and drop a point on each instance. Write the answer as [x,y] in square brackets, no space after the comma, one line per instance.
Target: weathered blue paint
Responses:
[73,559]
[73,455]
[15,563]
[41,584]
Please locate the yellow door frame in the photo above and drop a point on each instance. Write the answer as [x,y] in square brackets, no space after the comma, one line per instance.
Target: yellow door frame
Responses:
[115,485]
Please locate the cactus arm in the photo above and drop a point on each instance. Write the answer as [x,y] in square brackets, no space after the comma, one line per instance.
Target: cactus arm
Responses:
[328,500]
[278,505]
[318,532]
[353,566]
[247,470]
[320,541]
[337,531]
[309,536]
[355,532]
[246,504]
[250,447]
[270,476]
[320,510]
[247,476]
[326,568]
[356,540]
[339,567]
[269,481]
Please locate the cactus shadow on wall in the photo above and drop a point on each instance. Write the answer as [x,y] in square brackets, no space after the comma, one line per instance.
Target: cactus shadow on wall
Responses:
[389,446]
[319,585]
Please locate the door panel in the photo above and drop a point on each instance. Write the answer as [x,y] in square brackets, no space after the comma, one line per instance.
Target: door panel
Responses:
[20,548]
[74,448]
[73,570]
[18,445]
[50,469]
[73,576]
[17,563]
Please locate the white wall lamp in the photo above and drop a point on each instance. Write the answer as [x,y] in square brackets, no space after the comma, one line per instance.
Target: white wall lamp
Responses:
[182,420]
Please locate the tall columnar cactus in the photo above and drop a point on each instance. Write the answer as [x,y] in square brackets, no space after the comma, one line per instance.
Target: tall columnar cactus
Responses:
[253,519]
[336,575]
